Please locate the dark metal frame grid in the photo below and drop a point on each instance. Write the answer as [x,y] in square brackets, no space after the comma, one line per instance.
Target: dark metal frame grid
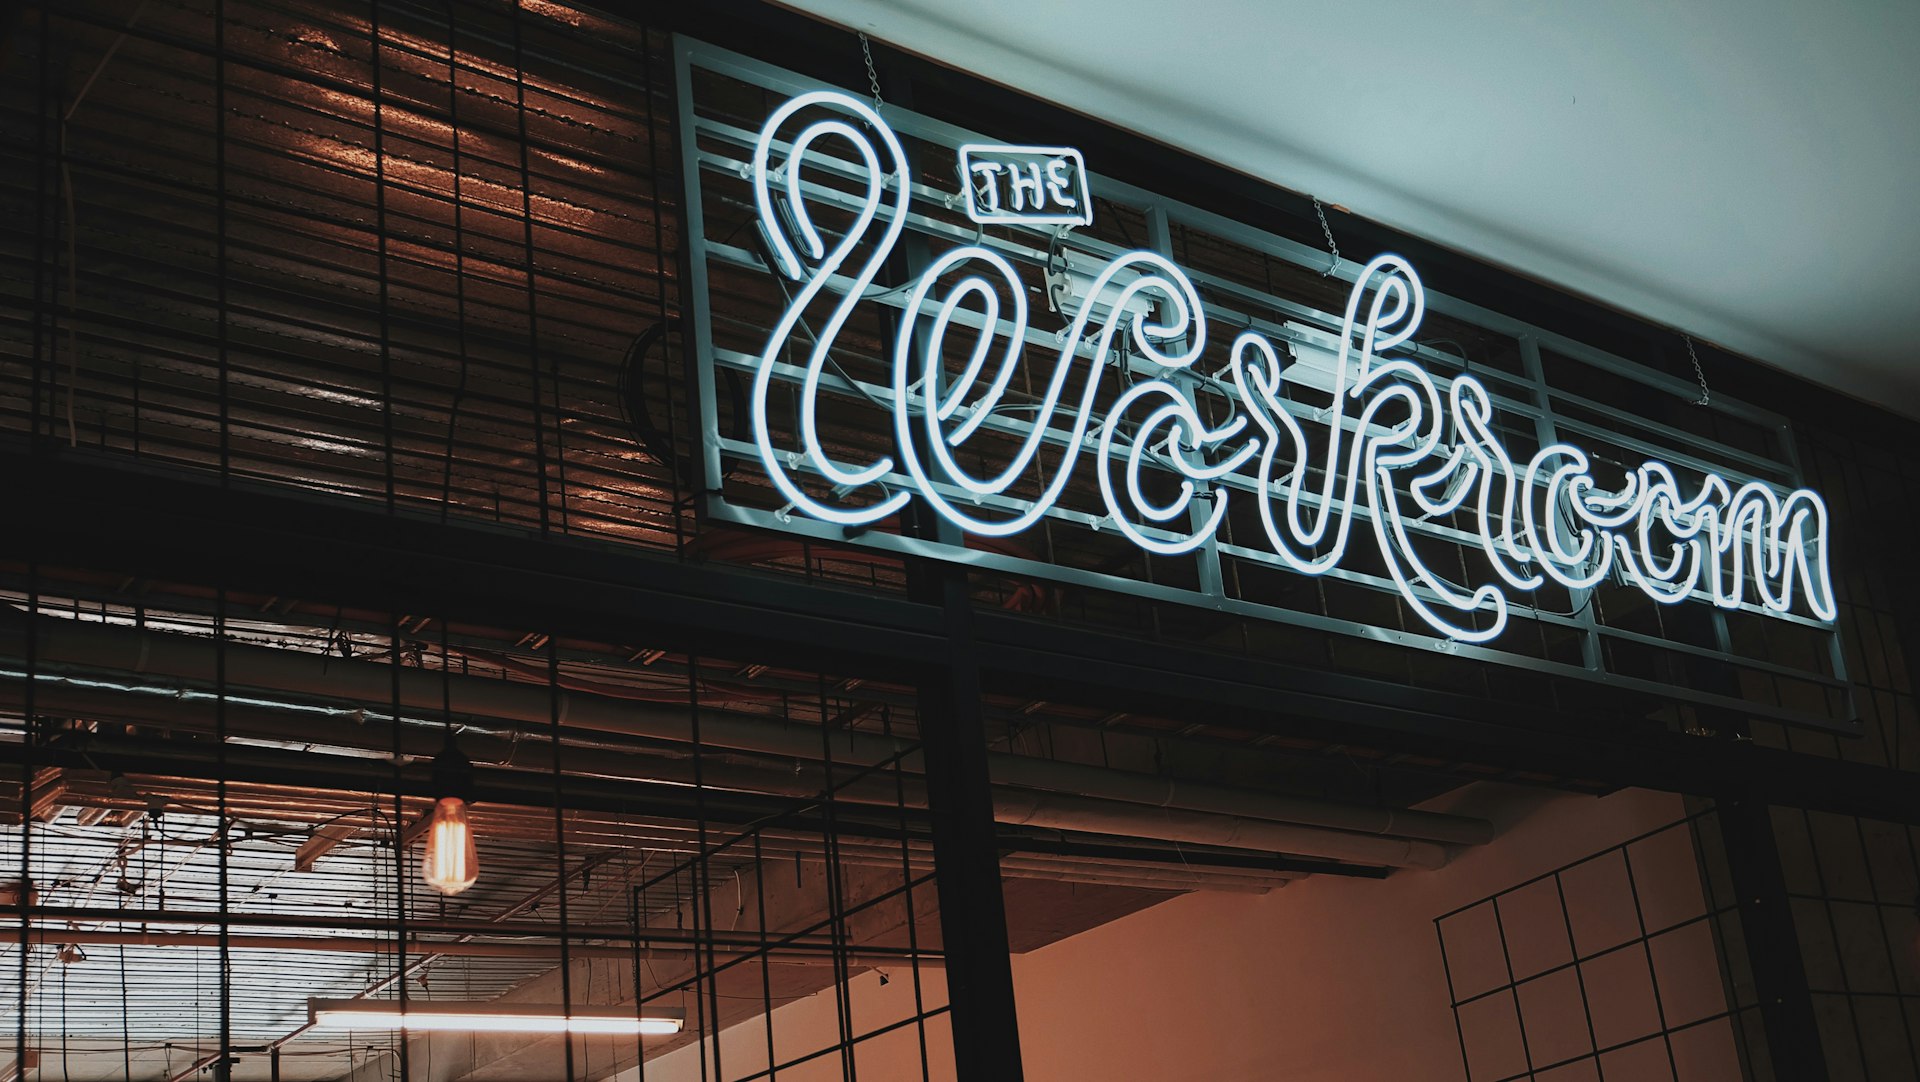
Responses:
[411,930]
[231,423]
[1717,912]
[705,981]
[1876,1049]
[1527,400]
[1873,488]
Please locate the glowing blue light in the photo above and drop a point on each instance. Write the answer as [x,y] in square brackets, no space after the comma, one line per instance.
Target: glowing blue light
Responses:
[1395,449]
[1181,419]
[815,270]
[1052,179]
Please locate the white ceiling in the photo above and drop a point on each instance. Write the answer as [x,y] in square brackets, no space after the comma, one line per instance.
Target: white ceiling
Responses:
[1742,170]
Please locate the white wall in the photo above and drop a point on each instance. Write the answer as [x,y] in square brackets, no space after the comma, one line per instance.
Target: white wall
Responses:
[1335,979]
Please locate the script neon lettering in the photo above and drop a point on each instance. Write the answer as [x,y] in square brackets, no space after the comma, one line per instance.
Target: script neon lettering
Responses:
[1398,447]
[1059,184]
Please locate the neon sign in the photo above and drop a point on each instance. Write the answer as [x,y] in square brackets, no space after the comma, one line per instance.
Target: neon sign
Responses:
[1400,446]
[1033,185]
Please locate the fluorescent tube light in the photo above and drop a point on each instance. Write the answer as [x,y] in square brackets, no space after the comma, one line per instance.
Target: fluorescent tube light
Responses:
[424,1015]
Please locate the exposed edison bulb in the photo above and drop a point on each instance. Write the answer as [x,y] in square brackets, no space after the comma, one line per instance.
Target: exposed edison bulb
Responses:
[451,864]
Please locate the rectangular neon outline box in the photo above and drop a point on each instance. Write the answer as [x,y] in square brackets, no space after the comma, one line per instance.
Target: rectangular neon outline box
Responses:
[1007,217]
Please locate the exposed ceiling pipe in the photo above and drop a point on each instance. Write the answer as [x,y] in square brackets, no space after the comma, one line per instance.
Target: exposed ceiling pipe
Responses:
[1049,811]
[1055,812]
[533,952]
[1105,801]
[1145,873]
[1080,779]
[157,782]
[1197,870]
[385,928]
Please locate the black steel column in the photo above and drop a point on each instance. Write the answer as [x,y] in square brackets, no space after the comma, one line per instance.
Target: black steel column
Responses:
[966,855]
[1773,944]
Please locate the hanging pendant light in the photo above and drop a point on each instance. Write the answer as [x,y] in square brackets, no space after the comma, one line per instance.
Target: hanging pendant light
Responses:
[451,863]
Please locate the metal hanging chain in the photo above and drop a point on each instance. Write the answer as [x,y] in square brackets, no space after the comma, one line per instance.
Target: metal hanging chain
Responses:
[1333,248]
[1698,373]
[873,77]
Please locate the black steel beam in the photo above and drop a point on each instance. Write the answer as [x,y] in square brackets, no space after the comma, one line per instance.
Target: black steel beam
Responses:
[115,513]
[106,513]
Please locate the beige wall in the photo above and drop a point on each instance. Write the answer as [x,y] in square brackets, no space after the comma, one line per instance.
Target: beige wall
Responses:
[1333,979]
